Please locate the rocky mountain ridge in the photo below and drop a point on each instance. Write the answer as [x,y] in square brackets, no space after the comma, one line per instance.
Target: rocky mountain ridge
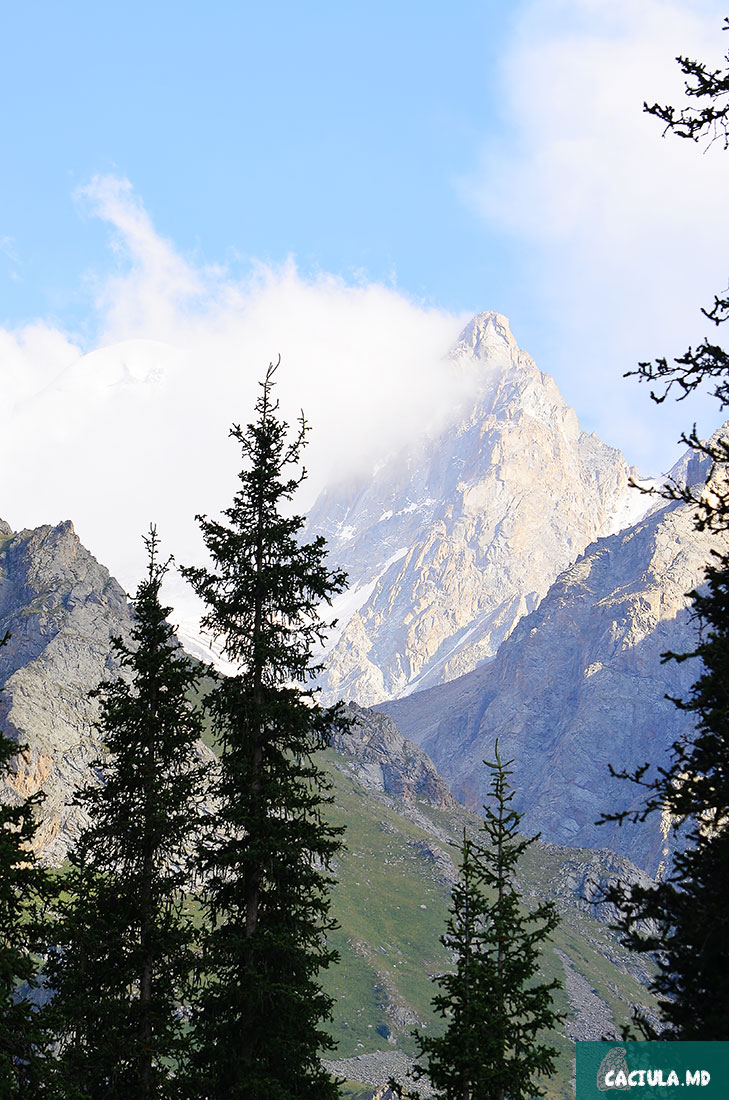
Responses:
[61,609]
[449,544]
[580,685]
[384,760]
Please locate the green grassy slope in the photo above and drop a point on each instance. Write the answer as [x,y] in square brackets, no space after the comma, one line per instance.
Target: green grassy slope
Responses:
[391,901]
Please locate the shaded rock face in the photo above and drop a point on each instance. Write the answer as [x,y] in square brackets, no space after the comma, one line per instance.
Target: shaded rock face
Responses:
[580,685]
[61,608]
[385,760]
[448,545]
[586,876]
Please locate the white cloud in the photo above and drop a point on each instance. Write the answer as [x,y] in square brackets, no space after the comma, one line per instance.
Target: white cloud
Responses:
[31,359]
[136,429]
[628,230]
[157,283]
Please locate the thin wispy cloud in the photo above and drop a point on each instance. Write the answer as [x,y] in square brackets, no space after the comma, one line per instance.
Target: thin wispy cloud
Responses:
[7,247]
[156,283]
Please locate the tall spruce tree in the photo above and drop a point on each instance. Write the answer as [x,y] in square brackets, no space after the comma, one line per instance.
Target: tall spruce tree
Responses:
[454,1061]
[498,1012]
[259,1028]
[123,942]
[24,889]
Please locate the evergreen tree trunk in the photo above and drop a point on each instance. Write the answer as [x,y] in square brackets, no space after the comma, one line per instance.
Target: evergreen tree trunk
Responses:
[147,955]
[500,882]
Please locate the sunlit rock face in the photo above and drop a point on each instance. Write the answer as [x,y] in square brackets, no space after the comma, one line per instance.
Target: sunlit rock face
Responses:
[579,686]
[450,543]
[61,609]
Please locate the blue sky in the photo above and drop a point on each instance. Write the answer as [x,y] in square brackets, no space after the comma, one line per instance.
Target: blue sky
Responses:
[333,132]
[347,184]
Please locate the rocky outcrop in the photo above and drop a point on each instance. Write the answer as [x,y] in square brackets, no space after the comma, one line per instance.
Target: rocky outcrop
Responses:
[384,760]
[578,686]
[61,609]
[590,1017]
[448,545]
[377,1067]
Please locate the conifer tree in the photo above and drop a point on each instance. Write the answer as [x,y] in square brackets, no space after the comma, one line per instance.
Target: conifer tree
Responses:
[123,942]
[498,1012]
[683,921]
[24,887]
[453,1062]
[259,1029]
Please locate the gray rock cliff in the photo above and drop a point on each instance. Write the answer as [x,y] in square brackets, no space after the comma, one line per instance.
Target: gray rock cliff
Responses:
[61,608]
[385,760]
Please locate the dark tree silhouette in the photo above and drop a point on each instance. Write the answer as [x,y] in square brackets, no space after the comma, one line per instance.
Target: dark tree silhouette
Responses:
[259,1027]
[498,1012]
[683,921]
[707,364]
[24,890]
[124,943]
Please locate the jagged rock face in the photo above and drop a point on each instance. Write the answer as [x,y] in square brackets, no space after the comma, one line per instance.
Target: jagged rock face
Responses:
[450,544]
[61,608]
[578,686]
[385,760]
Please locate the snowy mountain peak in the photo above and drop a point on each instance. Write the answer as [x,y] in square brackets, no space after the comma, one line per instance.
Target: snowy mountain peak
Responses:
[449,543]
[486,336]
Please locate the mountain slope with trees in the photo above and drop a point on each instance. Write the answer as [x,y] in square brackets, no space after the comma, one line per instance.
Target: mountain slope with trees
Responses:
[392,897]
